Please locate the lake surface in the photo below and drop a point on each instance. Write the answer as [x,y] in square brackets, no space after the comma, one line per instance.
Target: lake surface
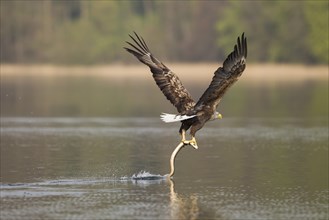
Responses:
[74,140]
[83,168]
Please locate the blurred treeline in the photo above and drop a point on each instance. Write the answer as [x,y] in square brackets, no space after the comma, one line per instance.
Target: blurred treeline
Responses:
[94,32]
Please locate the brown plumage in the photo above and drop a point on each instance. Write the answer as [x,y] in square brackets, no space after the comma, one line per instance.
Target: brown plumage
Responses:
[173,89]
[167,81]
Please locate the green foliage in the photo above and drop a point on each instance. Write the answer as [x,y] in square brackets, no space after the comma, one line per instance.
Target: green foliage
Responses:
[95,36]
[91,32]
[277,30]
[317,22]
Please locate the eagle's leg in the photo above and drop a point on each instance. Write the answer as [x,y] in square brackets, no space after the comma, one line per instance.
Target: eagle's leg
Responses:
[184,127]
[183,135]
[194,129]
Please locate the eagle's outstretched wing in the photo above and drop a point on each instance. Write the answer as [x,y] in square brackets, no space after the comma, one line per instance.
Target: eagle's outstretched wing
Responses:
[225,76]
[167,81]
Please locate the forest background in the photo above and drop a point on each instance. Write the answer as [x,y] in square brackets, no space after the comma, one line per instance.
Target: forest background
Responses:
[94,32]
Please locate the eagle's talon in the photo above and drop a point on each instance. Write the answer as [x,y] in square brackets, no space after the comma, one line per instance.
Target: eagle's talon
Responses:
[191,142]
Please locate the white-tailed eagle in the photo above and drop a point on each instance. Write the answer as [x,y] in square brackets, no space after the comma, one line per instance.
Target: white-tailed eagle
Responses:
[193,115]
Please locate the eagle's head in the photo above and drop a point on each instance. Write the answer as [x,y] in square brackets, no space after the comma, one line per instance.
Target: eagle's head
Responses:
[216,115]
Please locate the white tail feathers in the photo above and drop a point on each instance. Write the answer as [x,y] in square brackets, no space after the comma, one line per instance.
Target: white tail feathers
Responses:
[174,118]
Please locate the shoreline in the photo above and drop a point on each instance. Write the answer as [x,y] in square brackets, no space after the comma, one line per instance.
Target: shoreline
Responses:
[189,72]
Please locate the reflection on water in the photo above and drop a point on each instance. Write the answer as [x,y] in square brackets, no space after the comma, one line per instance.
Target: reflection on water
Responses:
[85,168]
[73,96]
[185,207]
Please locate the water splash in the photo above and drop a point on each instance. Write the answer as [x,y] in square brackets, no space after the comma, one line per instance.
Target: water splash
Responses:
[145,175]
